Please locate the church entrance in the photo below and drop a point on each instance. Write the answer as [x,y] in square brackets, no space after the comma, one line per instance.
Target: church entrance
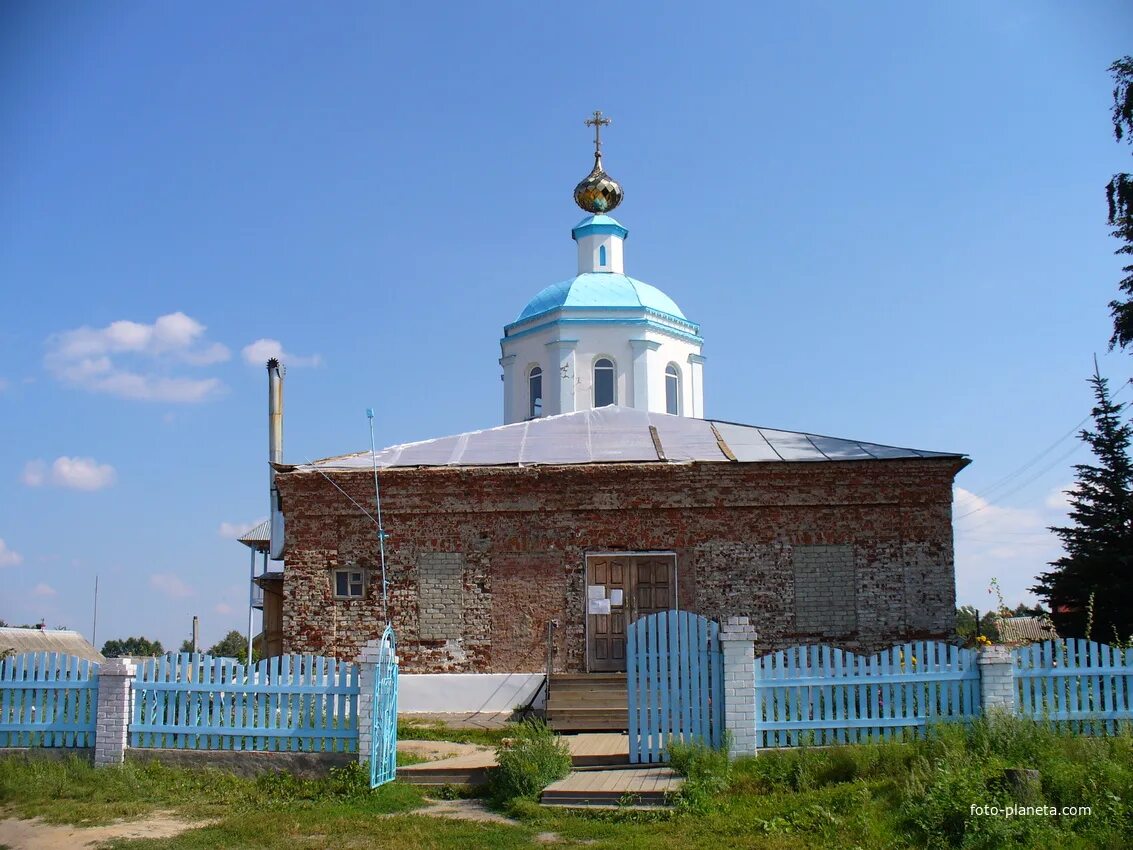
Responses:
[621,588]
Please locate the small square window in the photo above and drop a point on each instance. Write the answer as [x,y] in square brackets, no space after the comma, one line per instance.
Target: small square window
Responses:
[349,584]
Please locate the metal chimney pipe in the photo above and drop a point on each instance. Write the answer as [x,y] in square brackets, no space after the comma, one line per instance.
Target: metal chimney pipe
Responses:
[275,412]
[275,455]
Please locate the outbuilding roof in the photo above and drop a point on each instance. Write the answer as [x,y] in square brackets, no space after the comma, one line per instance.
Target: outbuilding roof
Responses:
[47,640]
[258,536]
[621,435]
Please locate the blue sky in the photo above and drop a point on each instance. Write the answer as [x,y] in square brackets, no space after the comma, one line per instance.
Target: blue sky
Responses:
[887,217]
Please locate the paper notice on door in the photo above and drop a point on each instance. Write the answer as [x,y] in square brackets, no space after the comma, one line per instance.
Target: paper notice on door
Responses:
[616,596]
[596,591]
[599,606]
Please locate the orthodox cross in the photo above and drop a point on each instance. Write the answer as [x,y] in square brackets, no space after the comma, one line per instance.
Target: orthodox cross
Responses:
[598,122]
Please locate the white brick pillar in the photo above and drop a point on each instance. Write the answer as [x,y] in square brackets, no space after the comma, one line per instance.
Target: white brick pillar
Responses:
[115,678]
[737,639]
[997,679]
[367,670]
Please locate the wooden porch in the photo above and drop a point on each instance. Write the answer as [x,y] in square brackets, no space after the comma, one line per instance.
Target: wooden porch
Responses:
[586,750]
[587,702]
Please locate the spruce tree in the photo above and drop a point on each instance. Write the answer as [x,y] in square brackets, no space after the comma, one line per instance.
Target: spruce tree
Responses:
[1098,546]
[1119,195]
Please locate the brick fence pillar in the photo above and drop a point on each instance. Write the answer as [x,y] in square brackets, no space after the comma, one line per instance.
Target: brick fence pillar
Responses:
[367,670]
[997,679]
[737,639]
[115,677]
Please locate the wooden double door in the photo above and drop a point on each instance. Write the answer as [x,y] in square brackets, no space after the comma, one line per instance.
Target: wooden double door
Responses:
[627,587]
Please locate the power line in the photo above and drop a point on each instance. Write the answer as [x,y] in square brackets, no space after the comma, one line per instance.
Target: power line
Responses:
[1030,480]
[1072,432]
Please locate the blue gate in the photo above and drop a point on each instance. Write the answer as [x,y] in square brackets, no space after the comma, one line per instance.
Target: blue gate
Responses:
[675,683]
[383,735]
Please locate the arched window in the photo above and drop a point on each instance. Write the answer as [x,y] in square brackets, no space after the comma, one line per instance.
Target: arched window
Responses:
[534,392]
[602,255]
[603,382]
[672,389]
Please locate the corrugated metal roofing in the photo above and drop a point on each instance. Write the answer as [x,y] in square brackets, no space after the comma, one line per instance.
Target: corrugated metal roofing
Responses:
[48,640]
[620,435]
[259,534]
[1026,630]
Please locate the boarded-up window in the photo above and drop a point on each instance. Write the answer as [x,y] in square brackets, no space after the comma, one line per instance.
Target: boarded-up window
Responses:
[825,598]
[440,595]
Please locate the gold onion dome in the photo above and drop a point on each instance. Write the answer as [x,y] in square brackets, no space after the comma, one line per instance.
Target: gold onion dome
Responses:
[598,192]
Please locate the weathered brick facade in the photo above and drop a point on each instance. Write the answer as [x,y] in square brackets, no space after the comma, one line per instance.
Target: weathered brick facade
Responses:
[480,558]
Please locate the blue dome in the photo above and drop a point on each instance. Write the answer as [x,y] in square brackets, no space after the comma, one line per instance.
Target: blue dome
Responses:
[601,289]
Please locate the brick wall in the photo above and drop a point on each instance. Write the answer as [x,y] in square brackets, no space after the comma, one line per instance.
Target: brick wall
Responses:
[747,537]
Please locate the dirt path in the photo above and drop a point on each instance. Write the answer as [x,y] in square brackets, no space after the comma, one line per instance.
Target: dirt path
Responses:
[37,835]
[436,750]
[473,810]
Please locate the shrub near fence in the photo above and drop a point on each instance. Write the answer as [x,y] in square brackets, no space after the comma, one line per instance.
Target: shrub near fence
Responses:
[823,695]
[47,699]
[303,703]
[1079,685]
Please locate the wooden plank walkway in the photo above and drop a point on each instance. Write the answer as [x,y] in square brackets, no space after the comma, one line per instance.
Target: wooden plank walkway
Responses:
[640,786]
[586,750]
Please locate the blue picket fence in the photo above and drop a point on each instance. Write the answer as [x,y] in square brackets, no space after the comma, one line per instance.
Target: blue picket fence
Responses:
[47,699]
[303,703]
[674,683]
[1077,684]
[822,695]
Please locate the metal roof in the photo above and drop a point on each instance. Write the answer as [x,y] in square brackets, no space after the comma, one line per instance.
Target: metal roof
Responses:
[1026,630]
[600,289]
[621,435]
[258,537]
[48,640]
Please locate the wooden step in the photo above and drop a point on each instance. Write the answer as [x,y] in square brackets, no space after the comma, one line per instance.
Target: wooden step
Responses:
[583,721]
[588,698]
[618,715]
[605,798]
[637,786]
[472,775]
[587,677]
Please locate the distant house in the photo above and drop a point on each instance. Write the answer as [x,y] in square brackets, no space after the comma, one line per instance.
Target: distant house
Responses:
[15,641]
[1026,630]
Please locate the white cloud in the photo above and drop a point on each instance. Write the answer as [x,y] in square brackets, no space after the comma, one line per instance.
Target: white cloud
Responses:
[83,358]
[74,473]
[9,557]
[35,475]
[42,589]
[170,585]
[1012,545]
[222,608]
[259,352]
[235,530]
[1059,499]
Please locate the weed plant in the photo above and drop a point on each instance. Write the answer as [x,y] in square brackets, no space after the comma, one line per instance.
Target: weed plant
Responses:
[707,772]
[530,760]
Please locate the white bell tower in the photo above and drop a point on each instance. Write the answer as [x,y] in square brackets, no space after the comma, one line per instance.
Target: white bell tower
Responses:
[601,337]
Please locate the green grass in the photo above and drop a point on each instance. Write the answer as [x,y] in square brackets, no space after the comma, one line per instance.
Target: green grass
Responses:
[884,796]
[437,730]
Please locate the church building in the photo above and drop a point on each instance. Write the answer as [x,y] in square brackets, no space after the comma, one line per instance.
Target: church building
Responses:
[608,494]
